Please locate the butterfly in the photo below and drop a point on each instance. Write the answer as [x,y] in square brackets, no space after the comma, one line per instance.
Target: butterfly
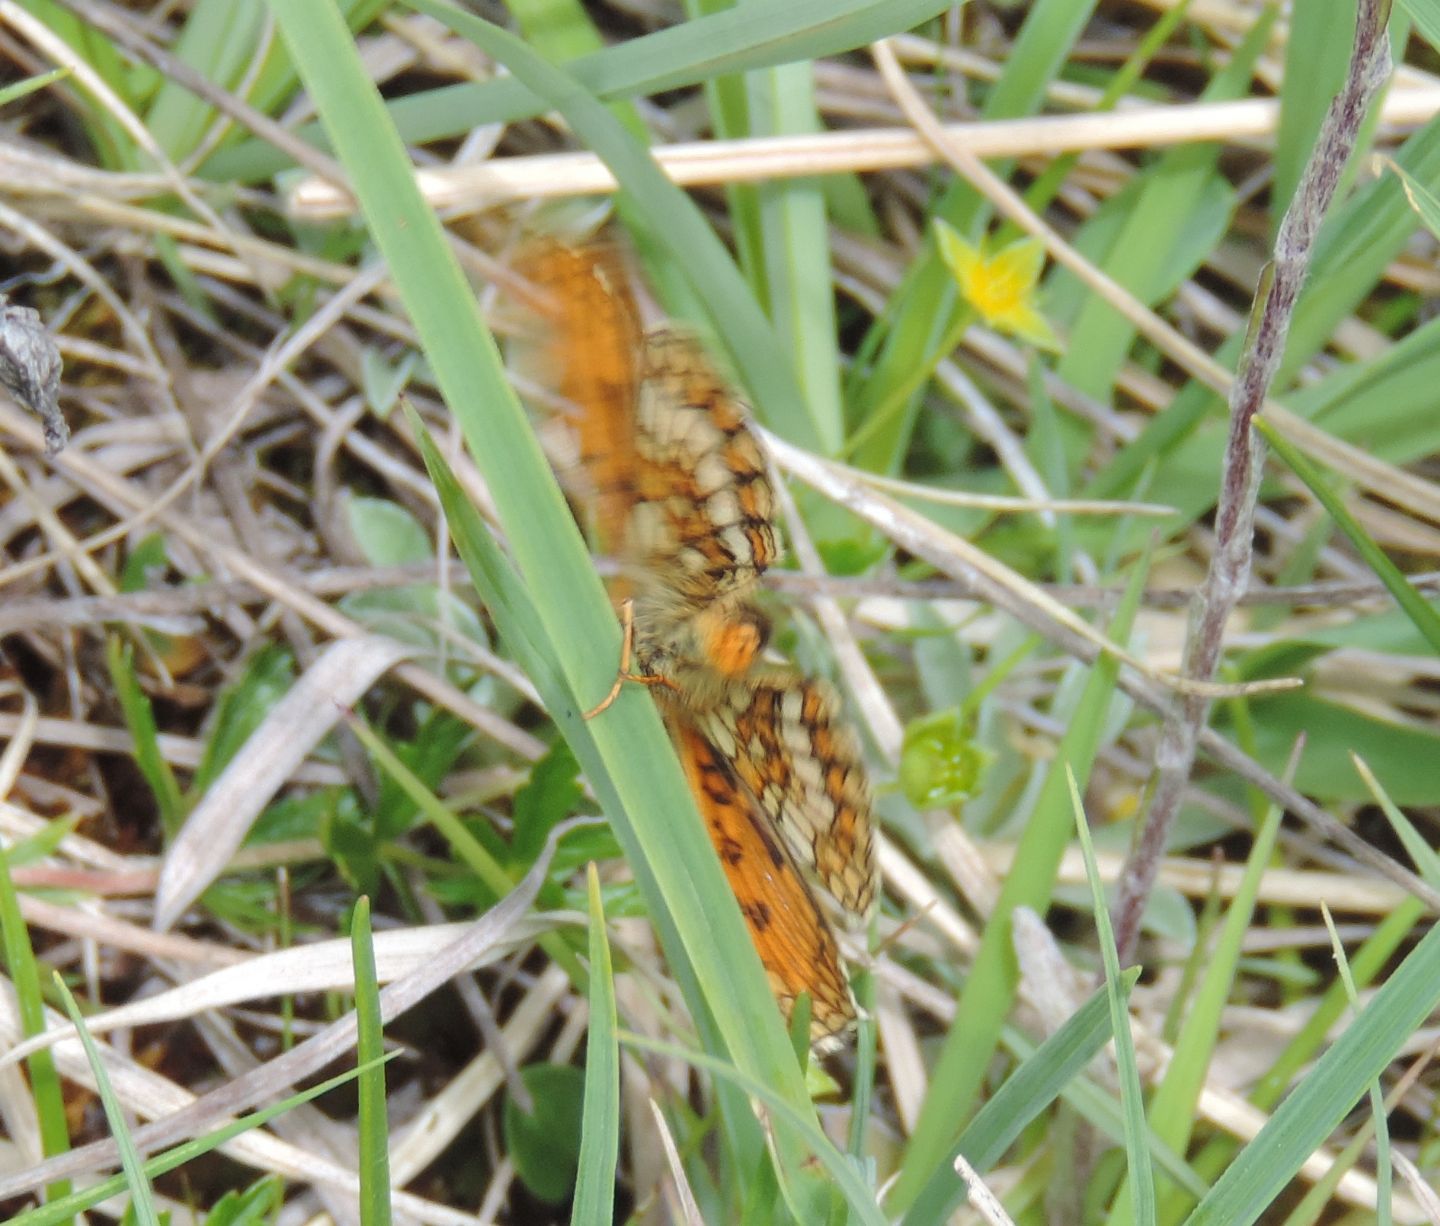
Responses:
[677,489]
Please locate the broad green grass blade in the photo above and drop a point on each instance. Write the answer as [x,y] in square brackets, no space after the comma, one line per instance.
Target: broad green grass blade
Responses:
[1141,1175]
[600,1134]
[730,119]
[1382,403]
[624,752]
[515,616]
[372,1125]
[562,31]
[990,989]
[672,58]
[1416,607]
[220,40]
[142,1197]
[1426,15]
[1034,1085]
[45,1088]
[795,242]
[1328,1093]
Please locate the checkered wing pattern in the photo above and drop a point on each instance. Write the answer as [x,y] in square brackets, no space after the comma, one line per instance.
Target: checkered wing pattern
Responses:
[793,938]
[794,754]
[677,488]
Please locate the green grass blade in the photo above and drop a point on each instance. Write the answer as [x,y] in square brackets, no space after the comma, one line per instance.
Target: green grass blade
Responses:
[624,753]
[1037,1083]
[573,618]
[1172,1110]
[173,1159]
[600,1134]
[678,56]
[795,242]
[1132,1098]
[1328,1093]
[516,617]
[18,89]
[45,1086]
[1383,1166]
[1416,607]
[140,720]
[1426,16]
[373,1125]
[1316,54]
[142,1198]
[220,40]
[844,1172]
[1317,1201]
[1427,862]
[990,988]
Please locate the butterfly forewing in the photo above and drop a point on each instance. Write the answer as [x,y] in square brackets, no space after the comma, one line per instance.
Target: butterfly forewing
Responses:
[589,353]
[704,515]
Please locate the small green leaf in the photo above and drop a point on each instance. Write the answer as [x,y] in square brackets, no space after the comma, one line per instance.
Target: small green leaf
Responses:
[383,382]
[242,706]
[940,764]
[147,557]
[546,1145]
[253,1206]
[387,533]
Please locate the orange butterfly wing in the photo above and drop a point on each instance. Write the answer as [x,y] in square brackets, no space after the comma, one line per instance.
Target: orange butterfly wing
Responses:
[679,492]
[794,754]
[590,353]
[791,935]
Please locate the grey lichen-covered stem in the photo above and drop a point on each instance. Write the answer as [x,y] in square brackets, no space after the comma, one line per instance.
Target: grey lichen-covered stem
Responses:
[1229,571]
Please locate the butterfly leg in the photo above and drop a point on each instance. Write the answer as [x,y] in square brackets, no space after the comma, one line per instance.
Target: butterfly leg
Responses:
[627,651]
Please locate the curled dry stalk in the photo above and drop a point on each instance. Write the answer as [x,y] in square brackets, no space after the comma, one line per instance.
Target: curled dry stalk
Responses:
[1229,571]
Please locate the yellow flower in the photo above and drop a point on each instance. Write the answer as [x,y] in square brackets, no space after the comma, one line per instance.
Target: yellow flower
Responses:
[1001,287]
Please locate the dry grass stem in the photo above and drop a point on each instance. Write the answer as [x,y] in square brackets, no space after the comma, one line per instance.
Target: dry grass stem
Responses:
[764,159]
